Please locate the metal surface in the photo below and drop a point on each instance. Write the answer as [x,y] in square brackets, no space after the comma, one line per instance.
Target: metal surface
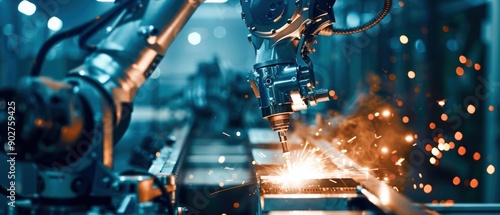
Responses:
[359,190]
[379,193]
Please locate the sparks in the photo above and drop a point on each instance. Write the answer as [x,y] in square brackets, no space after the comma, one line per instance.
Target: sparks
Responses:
[441,102]
[400,161]
[306,164]
[350,140]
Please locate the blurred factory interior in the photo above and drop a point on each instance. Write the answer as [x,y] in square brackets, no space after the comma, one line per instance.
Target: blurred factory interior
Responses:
[414,99]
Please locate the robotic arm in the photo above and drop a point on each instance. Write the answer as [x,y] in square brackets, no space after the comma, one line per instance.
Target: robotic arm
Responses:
[66,129]
[282,33]
[97,95]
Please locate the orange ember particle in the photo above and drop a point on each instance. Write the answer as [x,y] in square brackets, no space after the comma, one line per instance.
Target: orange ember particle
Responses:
[428,147]
[371,116]
[236,205]
[401,3]
[416,90]
[445,28]
[400,103]
[394,158]
[471,109]
[432,125]
[434,201]
[491,108]
[411,74]
[476,156]
[461,150]
[392,177]
[421,185]
[452,145]
[392,77]
[406,119]
[458,135]
[462,59]
[246,96]
[468,63]
[490,169]
[331,93]
[403,39]
[444,117]
[477,66]
[474,183]
[456,180]
[459,71]
[435,151]
[427,188]
[432,160]
[439,156]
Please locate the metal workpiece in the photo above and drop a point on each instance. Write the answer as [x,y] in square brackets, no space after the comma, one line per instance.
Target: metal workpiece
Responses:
[341,186]
[124,60]
[321,194]
[377,192]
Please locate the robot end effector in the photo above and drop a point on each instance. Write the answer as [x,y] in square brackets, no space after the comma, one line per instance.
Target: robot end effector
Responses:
[283,33]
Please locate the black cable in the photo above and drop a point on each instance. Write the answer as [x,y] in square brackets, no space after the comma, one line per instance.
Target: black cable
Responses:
[5,192]
[364,27]
[40,57]
[104,19]
[157,182]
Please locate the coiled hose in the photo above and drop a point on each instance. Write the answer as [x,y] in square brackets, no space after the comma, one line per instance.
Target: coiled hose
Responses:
[361,28]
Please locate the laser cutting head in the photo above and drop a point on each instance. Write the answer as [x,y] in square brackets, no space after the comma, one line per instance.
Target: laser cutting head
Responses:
[283,32]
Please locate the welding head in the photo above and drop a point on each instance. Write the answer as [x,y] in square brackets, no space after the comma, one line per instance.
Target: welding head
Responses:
[283,33]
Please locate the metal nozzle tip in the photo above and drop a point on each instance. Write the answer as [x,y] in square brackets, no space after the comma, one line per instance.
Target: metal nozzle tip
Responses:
[288,162]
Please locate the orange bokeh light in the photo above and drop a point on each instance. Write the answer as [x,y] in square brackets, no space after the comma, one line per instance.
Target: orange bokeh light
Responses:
[460,71]
[474,183]
[461,150]
[444,117]
[427,188]
[458,135]
[462,59]
[456,180]
[476,156]
[406,119]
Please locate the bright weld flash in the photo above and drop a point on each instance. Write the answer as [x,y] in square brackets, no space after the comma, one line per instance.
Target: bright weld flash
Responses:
[305,164]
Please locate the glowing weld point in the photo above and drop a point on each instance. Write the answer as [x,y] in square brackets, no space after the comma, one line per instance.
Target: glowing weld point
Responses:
[384,149]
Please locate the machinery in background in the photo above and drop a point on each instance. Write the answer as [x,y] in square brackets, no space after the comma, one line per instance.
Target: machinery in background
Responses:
[67,129]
